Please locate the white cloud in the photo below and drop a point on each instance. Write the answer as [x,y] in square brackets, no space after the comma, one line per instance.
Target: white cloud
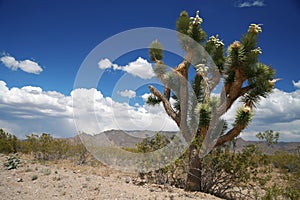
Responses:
[140,67]
[279,112]
[31,109]
[145,96]
[127,93]
[296,84]
[251,3]
[25,65]
[104,64]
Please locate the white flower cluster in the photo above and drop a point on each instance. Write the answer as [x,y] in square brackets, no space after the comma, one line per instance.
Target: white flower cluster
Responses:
[202,68]
[196,20]
[216,41]
[235,45]
[246,109]
[257,50]
[255,28]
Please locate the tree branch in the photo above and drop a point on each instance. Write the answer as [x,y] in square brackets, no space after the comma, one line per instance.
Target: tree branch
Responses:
[230,135]
[168,108]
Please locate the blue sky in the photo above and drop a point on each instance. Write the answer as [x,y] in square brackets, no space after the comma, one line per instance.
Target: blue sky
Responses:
[44,43]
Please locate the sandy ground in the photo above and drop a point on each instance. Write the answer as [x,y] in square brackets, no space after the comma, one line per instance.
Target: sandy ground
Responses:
[65,180]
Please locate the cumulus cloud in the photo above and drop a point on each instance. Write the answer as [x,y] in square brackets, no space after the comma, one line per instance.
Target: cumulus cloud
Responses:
[279,112]
[106,64]
[127,93]
[140,67]
[145,96]
[296,84]
[31,109]
[246,4]
[25,65]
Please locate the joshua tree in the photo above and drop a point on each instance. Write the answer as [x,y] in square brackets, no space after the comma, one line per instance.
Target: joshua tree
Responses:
[242,76]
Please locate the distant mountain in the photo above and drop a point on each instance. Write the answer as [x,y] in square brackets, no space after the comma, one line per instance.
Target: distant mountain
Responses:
[290,147]
[121,138]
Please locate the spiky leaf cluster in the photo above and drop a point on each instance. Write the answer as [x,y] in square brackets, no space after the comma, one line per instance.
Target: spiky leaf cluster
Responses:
[236,55]
[244,54]
[215,48]
[260,84]
[156,51]
[190,30]
[204,112]
[152,100]
[198,88]
[243,118]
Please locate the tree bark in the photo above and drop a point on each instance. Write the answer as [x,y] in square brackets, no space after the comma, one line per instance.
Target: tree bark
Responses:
[193,180]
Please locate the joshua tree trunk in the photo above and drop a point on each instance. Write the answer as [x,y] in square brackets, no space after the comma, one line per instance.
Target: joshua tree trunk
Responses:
[193,179]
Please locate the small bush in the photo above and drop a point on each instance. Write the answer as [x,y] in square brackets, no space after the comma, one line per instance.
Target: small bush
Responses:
[8,142]
[12,162]
[28,170]
[34,177]
[46,172]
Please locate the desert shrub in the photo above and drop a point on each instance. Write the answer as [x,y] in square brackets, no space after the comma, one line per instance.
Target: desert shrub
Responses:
[153,144]
[45,147]
[224,173]
[46,172]
[12,162]
[34,177]
[8,142]
[289,166]
[278,192]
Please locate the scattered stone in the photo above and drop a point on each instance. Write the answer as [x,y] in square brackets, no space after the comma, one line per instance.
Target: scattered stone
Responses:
[170,189]
[19,180]
[171,197]
[127,180]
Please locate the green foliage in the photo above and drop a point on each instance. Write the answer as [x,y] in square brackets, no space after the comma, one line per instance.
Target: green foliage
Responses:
[269,136]
[196,32]
[236,55]
[34,177]
[190,30]
[198,88]
[149,145]
[46,172]
[277,192]
[223,173]
[182,26]
[204,111]
[8,142]
[45,147]
[262,74]
[243,118]
[215,49]
[289,164]
[153,100]
[156,51]
[183,22]
[12,162]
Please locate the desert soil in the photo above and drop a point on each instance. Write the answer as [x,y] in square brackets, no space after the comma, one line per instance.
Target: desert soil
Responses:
[65,180]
